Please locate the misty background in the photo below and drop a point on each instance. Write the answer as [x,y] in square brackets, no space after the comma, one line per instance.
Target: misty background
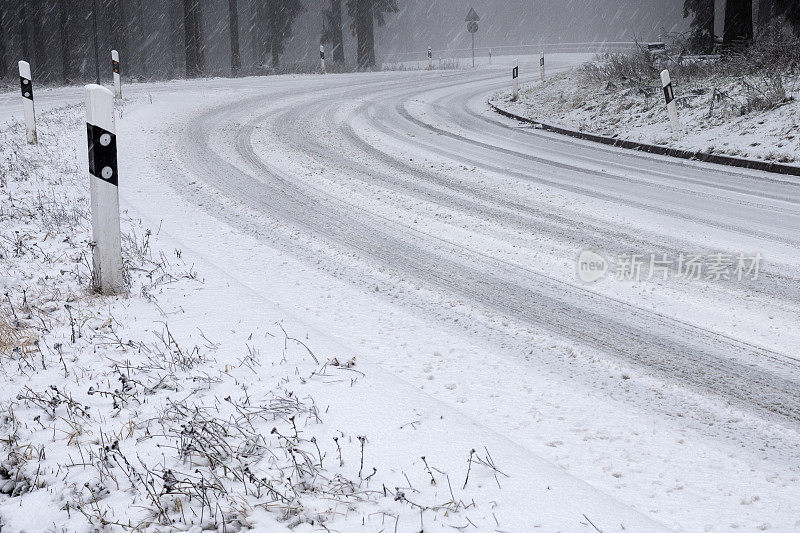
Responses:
[150,37]
[416,25]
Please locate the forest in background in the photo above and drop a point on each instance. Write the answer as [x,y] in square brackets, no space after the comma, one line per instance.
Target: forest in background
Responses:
[162,39]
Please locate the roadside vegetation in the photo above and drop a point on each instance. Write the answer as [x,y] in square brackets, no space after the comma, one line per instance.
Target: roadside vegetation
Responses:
[742,102]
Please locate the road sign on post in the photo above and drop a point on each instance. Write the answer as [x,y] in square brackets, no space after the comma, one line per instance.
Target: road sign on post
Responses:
[26,86]
[101,134]
[472,27]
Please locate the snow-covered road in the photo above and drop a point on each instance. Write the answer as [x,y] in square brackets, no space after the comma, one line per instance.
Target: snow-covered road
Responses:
[357,168]
[396,209]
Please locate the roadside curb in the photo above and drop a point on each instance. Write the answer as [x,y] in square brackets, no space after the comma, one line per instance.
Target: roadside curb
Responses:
[752,164]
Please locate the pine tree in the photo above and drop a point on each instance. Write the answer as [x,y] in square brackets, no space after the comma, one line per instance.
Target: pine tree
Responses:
[332,31]
[259,32]
[193,30]
[281,16]
[789,9]
[36,10]
[364,14]
[233,25]
[176,48]
[701,39]
[3,59]
[115,17]
[738,24]
[64,20]
[24,35]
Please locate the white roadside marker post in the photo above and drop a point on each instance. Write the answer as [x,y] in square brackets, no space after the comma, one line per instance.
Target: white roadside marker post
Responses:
[102,140]
[430,58]
[26,86]
[669,96]
[515,81]
[117,78]
[322,58]
[541,64]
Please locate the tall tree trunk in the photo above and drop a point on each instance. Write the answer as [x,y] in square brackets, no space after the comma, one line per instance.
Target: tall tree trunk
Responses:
[193,21]
[3,59]
[115,15]
[260,33]
[175,27]
[24,33]
[766,14]
[63,18]
[710,25]
[738,24]
[274,34]
[39,45]
[365,33]
[338,40]
[233,22]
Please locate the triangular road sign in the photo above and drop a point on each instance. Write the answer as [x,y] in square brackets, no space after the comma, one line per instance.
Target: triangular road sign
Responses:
[472,16]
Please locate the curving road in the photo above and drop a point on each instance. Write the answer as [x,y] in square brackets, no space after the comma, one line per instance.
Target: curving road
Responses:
[411,174]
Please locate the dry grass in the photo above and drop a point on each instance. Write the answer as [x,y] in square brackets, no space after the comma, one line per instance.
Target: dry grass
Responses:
[16,340]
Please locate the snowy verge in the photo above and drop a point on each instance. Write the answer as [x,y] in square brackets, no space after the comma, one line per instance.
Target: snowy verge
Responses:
[194,403]
[714,112]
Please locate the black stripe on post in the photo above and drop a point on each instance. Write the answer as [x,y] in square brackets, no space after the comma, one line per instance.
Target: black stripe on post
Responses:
[541,61]
[322,54]
[669,93]
[102,154]
[515,73]
[26,87]
[115,66]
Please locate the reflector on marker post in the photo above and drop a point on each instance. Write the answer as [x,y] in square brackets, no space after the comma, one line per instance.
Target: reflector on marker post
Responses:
[515,81]
[430,58]
[322,58]
[26,89]
[103,186]
[541,64]
[669,97]
[117,78]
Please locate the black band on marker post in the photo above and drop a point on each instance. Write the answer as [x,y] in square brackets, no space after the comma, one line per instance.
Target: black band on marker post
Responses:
[669,93]
[26,88]
[515,72]
[115,65]
[102,154]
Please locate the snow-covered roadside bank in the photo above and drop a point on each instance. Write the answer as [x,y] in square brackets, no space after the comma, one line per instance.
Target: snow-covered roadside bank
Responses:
[197,401]
[710,111]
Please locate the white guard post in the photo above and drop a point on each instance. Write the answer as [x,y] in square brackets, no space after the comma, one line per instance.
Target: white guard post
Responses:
[490,56]
[430,58]
[322,58]
[541,64]
[117,78]
[26,86]
[102,140]
[669,96]
[515,81]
